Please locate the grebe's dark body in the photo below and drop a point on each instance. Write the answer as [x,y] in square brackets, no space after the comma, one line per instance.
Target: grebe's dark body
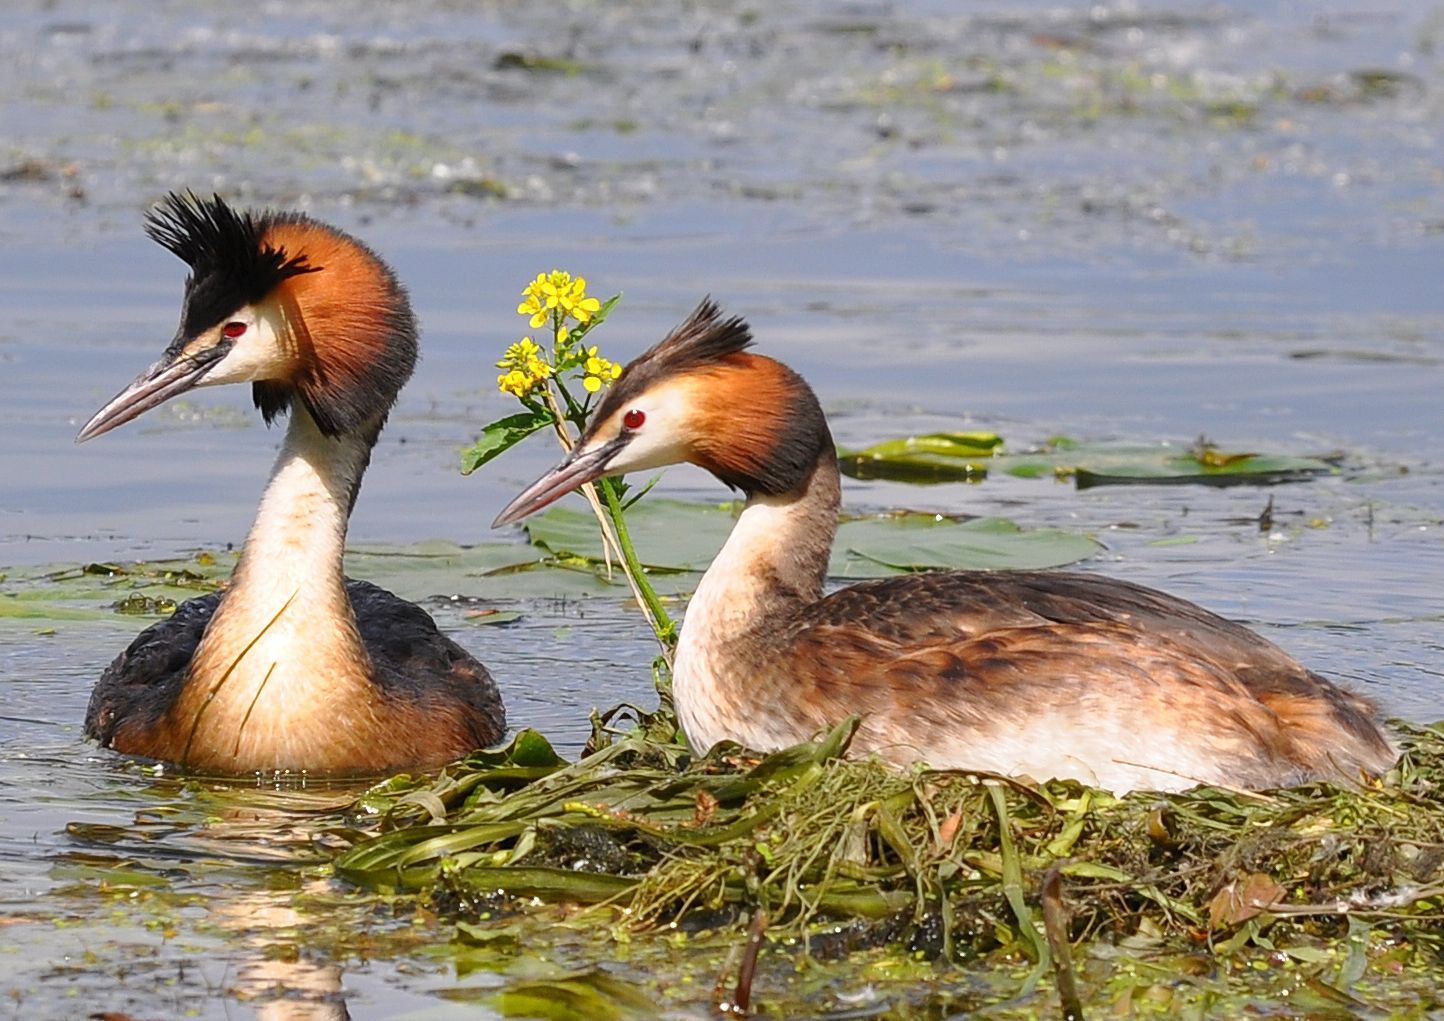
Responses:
[293,667]
[1040,674]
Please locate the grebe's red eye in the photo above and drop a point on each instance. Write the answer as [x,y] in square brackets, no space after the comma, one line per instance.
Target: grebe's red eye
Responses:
[634,419]
[233,330]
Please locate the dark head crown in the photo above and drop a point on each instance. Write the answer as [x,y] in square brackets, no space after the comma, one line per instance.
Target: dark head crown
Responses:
[703,338]
[230,265]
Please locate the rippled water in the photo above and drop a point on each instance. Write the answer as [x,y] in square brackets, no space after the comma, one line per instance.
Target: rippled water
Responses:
[1142,223]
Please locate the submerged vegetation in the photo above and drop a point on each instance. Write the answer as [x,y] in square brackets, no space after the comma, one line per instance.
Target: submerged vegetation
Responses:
[935,884]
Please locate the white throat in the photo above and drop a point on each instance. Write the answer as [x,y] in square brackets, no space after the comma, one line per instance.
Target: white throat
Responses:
[299,535]
[774,561]
[284,642]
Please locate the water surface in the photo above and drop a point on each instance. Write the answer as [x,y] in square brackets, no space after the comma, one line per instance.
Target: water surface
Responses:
[1106,222]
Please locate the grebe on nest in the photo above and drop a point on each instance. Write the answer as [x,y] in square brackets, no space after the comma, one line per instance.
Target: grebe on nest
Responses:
[1033,673]
[294,667]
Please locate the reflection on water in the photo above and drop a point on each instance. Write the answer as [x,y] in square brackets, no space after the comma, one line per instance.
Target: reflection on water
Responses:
[1097,221]
[274,973]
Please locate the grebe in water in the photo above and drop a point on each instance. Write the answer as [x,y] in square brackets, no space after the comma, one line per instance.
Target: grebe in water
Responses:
[1034,673]
[293,667]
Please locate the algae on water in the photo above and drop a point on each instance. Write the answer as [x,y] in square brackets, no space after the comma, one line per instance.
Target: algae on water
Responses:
[1210,897]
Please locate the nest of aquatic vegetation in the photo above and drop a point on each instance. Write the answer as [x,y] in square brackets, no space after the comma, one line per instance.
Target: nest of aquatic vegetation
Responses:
[956,863]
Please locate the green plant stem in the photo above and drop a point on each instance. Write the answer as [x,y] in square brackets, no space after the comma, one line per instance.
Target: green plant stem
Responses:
[615,536]
[661,621]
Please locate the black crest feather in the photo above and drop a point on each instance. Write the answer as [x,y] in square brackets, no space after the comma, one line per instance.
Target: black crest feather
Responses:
[703,337]
[230,266]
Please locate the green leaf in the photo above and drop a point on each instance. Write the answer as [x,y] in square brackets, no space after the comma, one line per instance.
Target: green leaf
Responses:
[35,610]
[417,572]
[528,748]
[582,996]
[1096,464]
[915,542]
[677,536]
[94,592]
[932,457]
[668,534]
[944,457]
[949,444]
[503,434]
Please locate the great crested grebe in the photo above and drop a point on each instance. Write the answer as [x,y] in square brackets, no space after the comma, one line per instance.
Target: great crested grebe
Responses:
[1026,673]
[294,667]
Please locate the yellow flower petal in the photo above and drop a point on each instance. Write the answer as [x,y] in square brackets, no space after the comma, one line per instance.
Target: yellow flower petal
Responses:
[592,383]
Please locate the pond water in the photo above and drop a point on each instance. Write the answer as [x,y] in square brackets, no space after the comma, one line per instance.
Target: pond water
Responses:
[1110,222]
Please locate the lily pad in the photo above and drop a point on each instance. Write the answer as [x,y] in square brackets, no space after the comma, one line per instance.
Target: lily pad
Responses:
[669,535]
[676,540]
[953,457]
[438,567]
[88,592]
[591,995]
[931,457]
[1203,463]
[674,536]
[870,547]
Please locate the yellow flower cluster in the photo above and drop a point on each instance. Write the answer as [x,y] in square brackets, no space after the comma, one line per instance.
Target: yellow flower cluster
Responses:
[526,368]
[556,298]
[557,290]
[599,371]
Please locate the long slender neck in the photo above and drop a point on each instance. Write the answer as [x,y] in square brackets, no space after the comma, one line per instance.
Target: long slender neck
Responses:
[299,535]
[773,563]
[282,656]
[776,556]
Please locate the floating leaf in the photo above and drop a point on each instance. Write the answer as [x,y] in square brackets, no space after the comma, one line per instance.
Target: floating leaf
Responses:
[501,435]
[932,457]
[103,591]
[491,617]
[915,542]
[1096,464]
[924,459]
[676,536]
[501,570]
[590,995]
[1162,465]
[940,455]
[13,608]
[669,534]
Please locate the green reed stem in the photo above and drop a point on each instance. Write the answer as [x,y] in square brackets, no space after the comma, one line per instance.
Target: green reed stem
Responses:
[662,622]
[617,535]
